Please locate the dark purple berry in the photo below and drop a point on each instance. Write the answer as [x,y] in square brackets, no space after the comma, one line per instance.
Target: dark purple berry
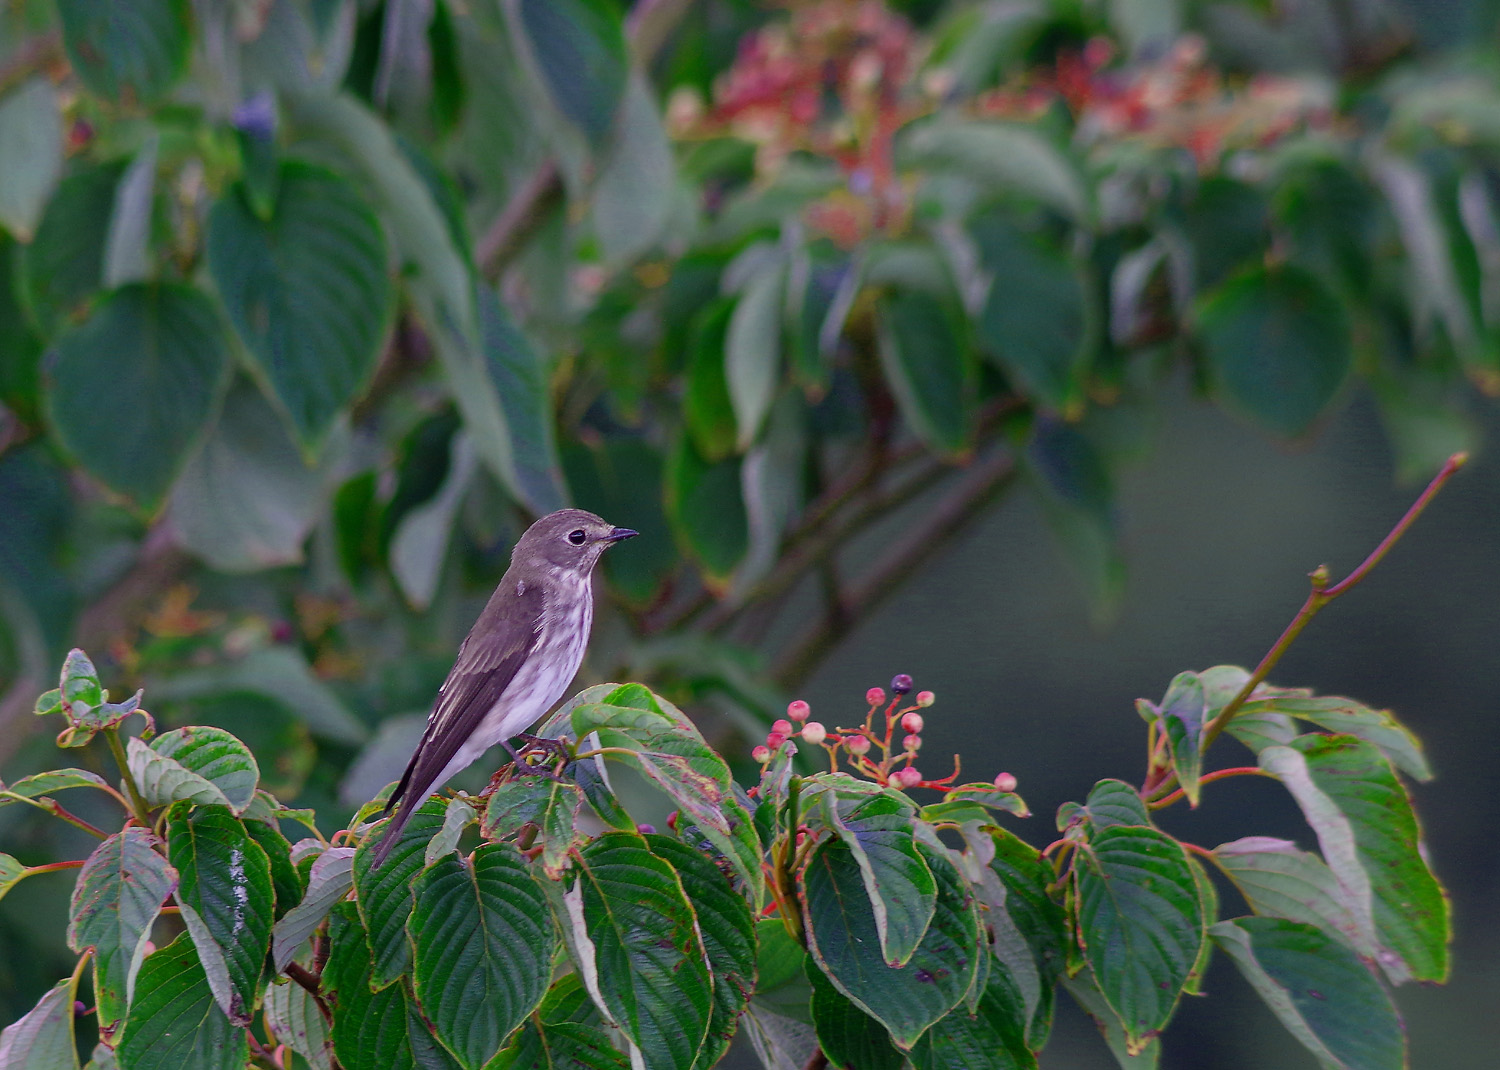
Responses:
[901,683]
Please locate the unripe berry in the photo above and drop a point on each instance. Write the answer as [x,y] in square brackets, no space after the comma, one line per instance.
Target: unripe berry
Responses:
[761,755]
[912,721]
[1005,782]
[798,710]
[925,698]
[907,778]
[875,696]
[782,725]
[857,744]
[775,740]
[912,742]
[814,733]
[645,830]
[901,683]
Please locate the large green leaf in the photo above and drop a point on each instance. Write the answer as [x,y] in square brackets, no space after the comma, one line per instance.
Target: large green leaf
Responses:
[1036,322]
[210,754]
[131,51]
[1084,988]
[752,350]
[382,1030]
[1321,992]
[329,880]
[637,183]
[1139,921]
[1279,881]
[842,938]
[288,884]
[21,371]
[64,265]
[483,941]
[42,1038]
[248,500]
[176,1020]
[119,894]
[728,932]
[31,154]
[707,509]
[225,893]
[1278,346]
[559,1046]
[927,364]
[154,358]
[707,409]
[46,783]
[850,1038]
[1347,717]
[648,972]
[306,290]
[1363,817]
[878,829]
[579,48]
[1006,158]
[385,894]
[991,1037]
[1114,802]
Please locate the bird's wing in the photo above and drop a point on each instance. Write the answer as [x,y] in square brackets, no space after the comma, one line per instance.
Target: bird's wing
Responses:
[488,661]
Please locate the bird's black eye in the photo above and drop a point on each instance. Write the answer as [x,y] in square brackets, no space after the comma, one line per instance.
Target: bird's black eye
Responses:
[576,536]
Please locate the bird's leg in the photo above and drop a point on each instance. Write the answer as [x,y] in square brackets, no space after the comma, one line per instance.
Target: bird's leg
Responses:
[541,749]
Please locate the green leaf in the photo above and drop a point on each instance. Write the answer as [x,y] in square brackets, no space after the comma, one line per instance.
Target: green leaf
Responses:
[21,371]
[419,545]
[483,943]
[1353,800]
[293,1017]
[1277,344]
[64,265]
[648,971]
[130,53]
[1182,718]
[559,1046]
[1078,501]
[1208,909]
[842,938]
[633,195]
[1279,881]
[287,883]
[878,832]
[516,803]
[306,291]
[927,365]
[219,770]
[752,350]
[1114,802]
[31,154]
[579,48]
[247,500]
[707,409]
[992,1037]
[127,252]
[175,1020]
[728,932]
[707,510]
[119,894]
[1344,716]
[42,1038]
[331,877]
[154,357]
[12,873]
[850,1038]
[1037,321]
[385,894]
[280,673]
[1321,992]
[224,890]
[54,780]
[1029,932]
[1084,988]
[1140,923]
[457,816]
[382,1030]
[1004,157]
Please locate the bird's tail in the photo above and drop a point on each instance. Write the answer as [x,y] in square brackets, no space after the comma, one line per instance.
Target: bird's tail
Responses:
[409,801]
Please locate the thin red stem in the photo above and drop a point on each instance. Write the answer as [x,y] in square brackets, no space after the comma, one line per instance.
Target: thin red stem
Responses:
[1206,778]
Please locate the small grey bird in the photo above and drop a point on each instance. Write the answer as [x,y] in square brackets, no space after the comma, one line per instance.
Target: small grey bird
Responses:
[516,661]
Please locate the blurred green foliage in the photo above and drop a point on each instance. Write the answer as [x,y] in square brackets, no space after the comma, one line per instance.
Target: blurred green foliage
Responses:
[307,306]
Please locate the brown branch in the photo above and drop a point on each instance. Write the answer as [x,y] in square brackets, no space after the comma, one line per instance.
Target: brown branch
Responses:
[819,1061]
[964,504]
[646,30]
[31,58]
[313,983]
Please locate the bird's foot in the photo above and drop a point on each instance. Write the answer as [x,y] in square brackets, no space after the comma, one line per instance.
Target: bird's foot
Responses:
[540,754]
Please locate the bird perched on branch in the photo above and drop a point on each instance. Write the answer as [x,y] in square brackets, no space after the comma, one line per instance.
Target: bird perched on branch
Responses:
[516,661]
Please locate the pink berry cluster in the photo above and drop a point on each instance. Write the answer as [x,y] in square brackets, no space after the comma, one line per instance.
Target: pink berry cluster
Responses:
[873,748]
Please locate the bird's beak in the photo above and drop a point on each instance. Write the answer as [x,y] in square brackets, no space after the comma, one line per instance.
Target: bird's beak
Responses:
[620,534]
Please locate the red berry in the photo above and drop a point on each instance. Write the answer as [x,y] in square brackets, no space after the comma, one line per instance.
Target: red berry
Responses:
[775,740]
[907,778]
[875,696]
[925,698]
[782,725]
[798,710]
[857,744]
[1005,782]
[761,755]
[912,742]
[912,721]
[813,732]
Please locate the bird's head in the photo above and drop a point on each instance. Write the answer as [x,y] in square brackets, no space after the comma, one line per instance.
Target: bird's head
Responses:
[569,538]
